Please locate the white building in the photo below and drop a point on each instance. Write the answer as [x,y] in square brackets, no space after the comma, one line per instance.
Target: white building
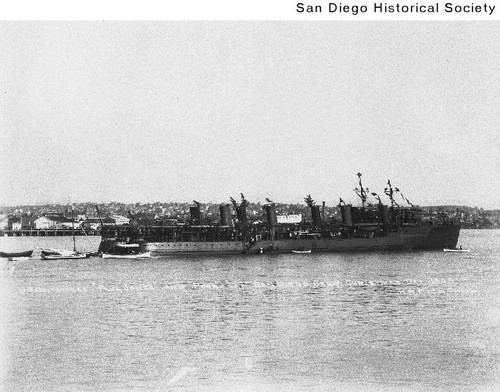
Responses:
[4,222]
[289,218]
[45,222]
[54,222]
[16,224]
[120,220]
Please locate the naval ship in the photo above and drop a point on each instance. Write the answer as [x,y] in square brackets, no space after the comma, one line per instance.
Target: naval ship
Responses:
[369,227]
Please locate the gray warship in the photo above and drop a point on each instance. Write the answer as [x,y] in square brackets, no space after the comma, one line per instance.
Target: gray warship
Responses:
[369,227]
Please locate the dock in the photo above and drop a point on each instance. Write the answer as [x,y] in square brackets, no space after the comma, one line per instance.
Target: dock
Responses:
[47,233]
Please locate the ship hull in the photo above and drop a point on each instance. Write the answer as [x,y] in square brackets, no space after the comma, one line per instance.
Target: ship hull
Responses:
[415,239]
[409,238]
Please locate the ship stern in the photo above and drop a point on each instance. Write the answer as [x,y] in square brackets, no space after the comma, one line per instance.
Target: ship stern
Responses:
[445,236]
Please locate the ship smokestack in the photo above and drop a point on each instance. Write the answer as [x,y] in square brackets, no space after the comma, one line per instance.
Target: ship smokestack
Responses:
[385,216]
[272,220]
[225,215]
[195,213]
[241,213]
[316,216]
[345,211]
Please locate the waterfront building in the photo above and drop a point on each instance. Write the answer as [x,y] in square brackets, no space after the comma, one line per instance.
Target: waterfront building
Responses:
[54,222]
[4,222]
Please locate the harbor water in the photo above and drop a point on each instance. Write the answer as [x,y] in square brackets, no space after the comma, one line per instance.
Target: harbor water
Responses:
[384,321]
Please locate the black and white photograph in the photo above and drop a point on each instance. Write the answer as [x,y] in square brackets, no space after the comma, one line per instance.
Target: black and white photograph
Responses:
[249,205]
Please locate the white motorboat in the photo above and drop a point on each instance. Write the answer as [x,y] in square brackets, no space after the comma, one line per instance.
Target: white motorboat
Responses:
[126,256]
[456,250]
[301,251]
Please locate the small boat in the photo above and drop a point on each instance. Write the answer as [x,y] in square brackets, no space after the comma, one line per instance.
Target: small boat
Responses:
[123,250]
[27,253]
[58,254]
[126,256]
[268,249]
[455,250]
[303,251]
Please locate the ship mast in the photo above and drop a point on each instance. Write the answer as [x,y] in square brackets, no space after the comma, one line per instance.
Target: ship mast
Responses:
[377,197]
[390,192]
[73,227]
[100,216]
[404,198]
[361,192]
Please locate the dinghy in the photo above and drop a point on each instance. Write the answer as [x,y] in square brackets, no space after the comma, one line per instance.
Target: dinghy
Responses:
[27,253]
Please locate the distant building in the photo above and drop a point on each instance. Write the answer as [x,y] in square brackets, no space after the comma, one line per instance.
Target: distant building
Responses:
[45,222]
[91,223]
[54,222]
[95,223]
[4,222]
[15,223]
[10,222]
[297,218]
[27,221]
[120,220]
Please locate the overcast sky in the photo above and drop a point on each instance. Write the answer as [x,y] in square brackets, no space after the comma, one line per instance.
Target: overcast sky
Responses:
[175,111]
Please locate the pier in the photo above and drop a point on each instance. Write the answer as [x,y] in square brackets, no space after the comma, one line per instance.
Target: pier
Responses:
[47,233]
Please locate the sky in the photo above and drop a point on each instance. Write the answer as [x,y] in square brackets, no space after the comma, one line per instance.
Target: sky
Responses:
[174,111]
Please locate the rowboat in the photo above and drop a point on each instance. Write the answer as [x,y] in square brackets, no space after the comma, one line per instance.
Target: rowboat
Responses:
[27,253]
